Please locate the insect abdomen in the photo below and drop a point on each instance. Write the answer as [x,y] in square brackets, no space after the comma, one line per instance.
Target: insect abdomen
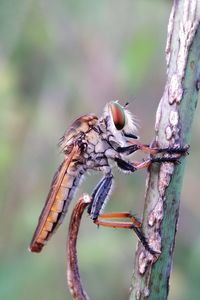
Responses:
[68,196]
[56,212]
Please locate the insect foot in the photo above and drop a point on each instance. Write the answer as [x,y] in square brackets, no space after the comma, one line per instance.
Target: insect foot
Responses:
[165,159]
[144,241]
[176,150]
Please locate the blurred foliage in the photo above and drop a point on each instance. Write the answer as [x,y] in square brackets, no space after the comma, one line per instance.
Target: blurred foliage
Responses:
[58,60]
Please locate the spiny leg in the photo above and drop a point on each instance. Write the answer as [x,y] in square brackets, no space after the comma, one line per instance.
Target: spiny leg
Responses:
[170,150]
[98,201]
[101,192]
[152,150]
[135,166]
[132,224]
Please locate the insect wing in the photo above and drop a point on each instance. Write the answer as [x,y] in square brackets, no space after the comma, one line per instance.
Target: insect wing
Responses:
[49,214]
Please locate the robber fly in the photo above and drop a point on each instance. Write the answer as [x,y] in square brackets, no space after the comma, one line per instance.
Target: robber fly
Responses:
[93,143]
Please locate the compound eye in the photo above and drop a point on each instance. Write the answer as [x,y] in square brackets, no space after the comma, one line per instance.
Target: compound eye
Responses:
[118,115]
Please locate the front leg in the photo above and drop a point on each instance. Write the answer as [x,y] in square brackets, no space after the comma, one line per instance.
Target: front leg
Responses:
[152,150]
[135,166]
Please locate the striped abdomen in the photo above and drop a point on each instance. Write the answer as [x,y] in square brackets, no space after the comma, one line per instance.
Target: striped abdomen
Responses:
[63,187]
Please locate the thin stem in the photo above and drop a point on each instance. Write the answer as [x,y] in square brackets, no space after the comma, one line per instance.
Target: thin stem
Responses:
[73,276]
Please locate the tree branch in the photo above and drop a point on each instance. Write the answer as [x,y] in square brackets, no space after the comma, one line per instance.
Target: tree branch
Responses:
[173,128]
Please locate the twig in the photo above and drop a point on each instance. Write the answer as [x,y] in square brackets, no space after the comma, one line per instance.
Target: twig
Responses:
[73,276]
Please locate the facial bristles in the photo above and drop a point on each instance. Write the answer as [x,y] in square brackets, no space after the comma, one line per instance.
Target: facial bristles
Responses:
[131,124]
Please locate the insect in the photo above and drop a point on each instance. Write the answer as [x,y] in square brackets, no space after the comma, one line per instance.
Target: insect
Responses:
[93,143]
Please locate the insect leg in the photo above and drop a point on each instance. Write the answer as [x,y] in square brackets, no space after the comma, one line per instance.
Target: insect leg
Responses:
[132,224]
[128,149]
[99,196]
[132,167]
[116,224]
[152,150]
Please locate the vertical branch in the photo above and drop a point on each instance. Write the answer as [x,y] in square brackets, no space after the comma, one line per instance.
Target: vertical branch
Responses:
[173,128]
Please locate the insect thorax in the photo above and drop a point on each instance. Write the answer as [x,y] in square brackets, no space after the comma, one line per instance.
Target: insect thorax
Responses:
[99,148]
[97,139]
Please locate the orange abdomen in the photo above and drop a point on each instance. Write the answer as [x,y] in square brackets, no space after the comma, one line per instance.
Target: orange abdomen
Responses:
[62,190]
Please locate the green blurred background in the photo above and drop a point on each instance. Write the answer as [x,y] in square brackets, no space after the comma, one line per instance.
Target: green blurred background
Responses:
[58,60]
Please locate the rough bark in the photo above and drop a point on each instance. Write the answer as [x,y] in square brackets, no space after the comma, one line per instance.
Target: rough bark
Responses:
[173,128]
